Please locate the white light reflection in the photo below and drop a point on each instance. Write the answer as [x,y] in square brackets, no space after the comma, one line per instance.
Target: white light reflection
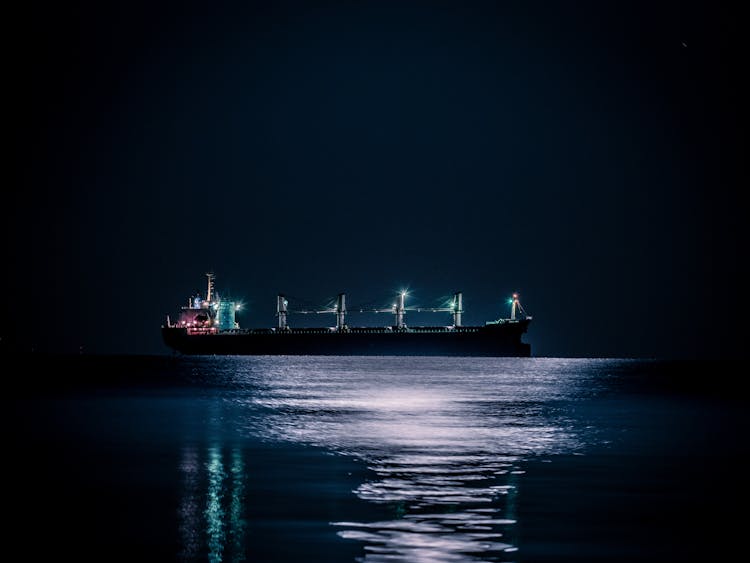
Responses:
[444,438]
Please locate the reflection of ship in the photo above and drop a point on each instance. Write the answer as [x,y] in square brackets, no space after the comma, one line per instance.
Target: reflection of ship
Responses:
[209,326]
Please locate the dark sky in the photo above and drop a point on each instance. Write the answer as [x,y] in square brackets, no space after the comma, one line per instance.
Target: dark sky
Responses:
[585,155]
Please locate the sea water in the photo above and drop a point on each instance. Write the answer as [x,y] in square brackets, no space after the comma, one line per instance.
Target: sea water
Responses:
[373,459]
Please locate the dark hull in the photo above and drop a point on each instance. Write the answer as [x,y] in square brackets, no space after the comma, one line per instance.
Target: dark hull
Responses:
[491,340]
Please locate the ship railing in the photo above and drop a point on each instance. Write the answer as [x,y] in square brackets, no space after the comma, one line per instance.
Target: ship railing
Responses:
[508,321]
[201,330]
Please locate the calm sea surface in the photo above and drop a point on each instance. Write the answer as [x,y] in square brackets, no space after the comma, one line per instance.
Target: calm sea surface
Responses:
[373,459]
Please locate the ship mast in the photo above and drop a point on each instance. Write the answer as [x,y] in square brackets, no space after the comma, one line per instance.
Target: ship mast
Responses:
[210,291]
[341,312]
[399,310]
[458,307]
[515,307]
[281,311]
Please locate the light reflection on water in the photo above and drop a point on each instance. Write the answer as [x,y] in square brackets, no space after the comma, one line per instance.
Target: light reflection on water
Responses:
[379,459]
[220,521]
[443,439]
[189,511]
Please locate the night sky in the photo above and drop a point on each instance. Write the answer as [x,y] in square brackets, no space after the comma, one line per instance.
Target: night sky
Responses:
[584,155]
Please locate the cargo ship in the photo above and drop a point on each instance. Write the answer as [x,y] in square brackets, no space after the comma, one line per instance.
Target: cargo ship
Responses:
[209,327]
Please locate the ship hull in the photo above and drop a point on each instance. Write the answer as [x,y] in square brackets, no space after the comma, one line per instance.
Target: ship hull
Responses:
[496,340]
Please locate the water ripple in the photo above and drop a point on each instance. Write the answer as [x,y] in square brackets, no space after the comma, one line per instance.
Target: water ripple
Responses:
[443,438]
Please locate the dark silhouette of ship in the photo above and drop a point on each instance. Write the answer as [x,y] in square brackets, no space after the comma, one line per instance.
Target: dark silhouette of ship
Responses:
[208,326]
